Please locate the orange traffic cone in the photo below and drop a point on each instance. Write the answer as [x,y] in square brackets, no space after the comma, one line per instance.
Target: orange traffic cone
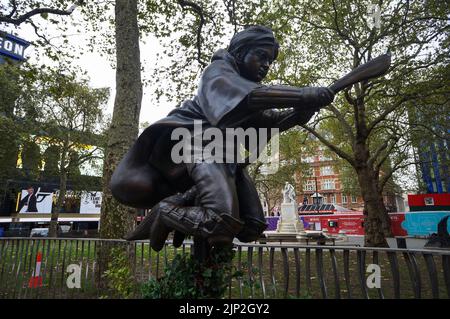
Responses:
[36,278]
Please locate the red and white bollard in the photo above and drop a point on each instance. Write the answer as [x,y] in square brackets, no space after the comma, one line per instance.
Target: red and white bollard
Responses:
[36,278]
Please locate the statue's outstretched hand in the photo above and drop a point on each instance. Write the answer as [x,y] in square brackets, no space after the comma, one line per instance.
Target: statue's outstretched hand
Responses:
[317,97]
[326,96]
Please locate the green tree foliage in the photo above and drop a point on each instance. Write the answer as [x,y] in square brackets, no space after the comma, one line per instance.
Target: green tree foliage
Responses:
[71,117]
[16,130]
[51,159]
[13,84]
[9,147]
[31,159]
[371,125]
[10,88]
[74,165]
[119,275]
[294,146]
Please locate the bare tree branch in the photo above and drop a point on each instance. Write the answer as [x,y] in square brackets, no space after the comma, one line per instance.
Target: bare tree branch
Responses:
[199,11]
[17,21]
[14,8]
[340,32]
[385,178]
[335,149]
[386,155]
[343,121]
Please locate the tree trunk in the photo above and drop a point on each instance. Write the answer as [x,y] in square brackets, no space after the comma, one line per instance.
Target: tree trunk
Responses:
[116,219]
[376,219]
[53,230]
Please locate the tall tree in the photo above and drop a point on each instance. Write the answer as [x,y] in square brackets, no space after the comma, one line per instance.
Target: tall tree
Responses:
[51,159]
[371,116]
[31,159]
[10,90]
[71,115]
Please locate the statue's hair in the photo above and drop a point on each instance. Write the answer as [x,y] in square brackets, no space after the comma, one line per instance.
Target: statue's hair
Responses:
[250,37]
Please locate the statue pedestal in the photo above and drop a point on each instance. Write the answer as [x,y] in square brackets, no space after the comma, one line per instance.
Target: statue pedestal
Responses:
[289,222]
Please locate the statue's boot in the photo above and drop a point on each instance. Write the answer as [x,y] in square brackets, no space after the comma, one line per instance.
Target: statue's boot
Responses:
[142,231]
[252,230]
[216,228]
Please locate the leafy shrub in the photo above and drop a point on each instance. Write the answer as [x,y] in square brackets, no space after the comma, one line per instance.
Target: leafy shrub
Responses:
[187,278]
[119,276]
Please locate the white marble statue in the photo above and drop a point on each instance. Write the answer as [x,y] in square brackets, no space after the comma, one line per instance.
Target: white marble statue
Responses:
[288,193]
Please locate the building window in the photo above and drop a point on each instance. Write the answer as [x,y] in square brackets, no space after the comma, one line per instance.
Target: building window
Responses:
[328,184]
[326,171]
[344,199]
[333,198]
[332,223]
[354,199]
[323,158]
[309,159]
[308,172]
[309,186]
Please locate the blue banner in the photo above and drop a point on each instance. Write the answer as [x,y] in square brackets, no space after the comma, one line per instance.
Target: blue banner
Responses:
[423,223]
[12,46]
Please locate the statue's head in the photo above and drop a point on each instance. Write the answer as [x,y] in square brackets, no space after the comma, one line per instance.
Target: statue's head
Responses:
[254,48]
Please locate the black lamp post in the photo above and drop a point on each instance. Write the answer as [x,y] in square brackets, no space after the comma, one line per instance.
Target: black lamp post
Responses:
[317,194]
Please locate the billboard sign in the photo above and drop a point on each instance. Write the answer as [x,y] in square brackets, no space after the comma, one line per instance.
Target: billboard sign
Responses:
[12,46]
[91,202]
[35,202]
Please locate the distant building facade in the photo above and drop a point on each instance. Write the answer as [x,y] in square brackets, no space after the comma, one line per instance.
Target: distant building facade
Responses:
[323,185]
[434,158]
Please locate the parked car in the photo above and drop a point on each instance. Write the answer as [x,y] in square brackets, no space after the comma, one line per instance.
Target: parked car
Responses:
[39,232]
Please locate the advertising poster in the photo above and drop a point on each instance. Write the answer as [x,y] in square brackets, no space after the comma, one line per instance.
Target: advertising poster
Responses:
[35,201]
[91,202]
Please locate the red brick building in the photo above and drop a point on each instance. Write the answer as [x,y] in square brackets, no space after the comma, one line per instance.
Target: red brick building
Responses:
[324,178]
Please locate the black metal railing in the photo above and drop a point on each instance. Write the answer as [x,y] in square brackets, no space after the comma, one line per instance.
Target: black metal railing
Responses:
[261,270]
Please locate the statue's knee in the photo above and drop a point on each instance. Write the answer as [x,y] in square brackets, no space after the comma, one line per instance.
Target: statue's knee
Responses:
[130,190]
[120,192]
[116,186]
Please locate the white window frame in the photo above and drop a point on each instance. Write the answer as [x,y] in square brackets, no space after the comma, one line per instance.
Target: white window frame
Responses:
[309,185]
[309,159]
[323,158]
[326,170]
[333,199]
[328,184]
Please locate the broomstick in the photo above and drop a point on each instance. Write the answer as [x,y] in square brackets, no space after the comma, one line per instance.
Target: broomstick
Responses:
[372,69]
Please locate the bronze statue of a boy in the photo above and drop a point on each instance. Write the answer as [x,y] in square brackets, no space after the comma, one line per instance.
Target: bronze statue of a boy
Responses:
[211,200]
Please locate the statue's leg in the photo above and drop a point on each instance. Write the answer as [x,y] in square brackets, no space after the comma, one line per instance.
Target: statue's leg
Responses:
[215,216]
[139,185]
[142,231]
[250,208]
